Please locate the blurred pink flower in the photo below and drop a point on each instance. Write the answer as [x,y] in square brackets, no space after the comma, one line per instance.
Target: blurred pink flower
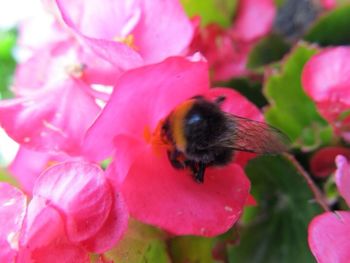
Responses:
[128,33]
[74,211]
[227,50]
[322,162]
[329,232]
[326,79]
[154,191]
[328,4]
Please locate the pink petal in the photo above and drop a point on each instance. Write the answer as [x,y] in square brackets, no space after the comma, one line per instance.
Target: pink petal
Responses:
[254,19]
[158,194]
[27,166]
[165,35]
[43,237]
[81,192]
[155,37]
[12,211]
[329,237]
[112,230]
[236,104]
[99,35]
[155,90]
[327,84]
[342,177]
[322,162]
[45,121]
[324,81]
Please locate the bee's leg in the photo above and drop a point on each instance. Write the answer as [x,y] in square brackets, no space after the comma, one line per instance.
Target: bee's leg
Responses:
[199,176]
[219,100]
[175,160]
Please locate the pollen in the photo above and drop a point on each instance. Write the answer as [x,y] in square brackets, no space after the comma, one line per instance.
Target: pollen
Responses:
[155,138]
[128,40]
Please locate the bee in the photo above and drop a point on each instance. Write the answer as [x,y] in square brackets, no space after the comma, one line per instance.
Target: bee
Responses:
[201,134]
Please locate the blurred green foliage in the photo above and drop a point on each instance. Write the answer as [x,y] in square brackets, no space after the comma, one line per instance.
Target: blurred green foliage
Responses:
[276,229]
[140,244]
[332,28]
[268,50]
[211,11]
[291,110]
[7,62]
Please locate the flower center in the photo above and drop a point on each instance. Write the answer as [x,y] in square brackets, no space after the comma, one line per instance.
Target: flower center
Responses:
[156,138]
[128,40]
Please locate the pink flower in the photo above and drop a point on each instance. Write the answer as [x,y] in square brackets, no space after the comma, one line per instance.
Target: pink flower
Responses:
[322,162]
[55,101]
[129,33]
[329,232]
[227,50]
[12,212]
[74,211]
[328,4]
[154,191]
[326,80]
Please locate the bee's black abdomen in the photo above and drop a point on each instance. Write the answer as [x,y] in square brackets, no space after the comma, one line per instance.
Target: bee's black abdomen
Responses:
[205,123]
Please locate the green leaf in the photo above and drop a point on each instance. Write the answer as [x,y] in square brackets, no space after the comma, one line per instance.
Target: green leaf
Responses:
[211,11]
[7,62]
[191,249]
[277,228]
[332,28]
[292,111]
[141,244]
[269,49]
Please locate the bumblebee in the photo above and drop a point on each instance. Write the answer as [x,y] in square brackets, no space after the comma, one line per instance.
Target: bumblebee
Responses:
[201,134]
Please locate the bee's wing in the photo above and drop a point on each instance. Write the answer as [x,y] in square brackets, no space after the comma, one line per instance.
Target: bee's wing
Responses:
[253,136]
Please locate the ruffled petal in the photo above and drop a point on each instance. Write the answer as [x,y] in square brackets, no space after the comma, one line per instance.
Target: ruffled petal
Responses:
[12,211]
[43,238]
[141,98]
[158,194]
[81,192]
[342,177]
[112,230]
[329,237]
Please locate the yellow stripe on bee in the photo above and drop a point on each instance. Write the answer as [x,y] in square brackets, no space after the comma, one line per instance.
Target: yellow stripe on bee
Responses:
[177,123]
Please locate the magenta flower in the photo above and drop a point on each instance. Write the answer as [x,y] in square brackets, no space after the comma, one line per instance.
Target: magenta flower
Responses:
[154,191]
[326,80]
[128,33]
[74,211]
[227,50]
[329,232]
